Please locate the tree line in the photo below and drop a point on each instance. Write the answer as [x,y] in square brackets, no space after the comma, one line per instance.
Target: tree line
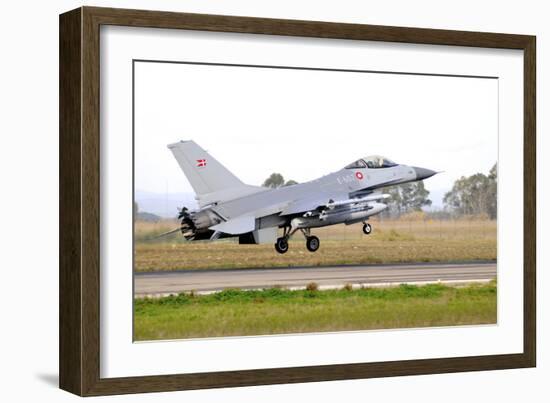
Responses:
[474,195]
[277,180]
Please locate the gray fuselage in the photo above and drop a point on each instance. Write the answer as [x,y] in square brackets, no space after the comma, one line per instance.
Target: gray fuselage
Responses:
[339,185]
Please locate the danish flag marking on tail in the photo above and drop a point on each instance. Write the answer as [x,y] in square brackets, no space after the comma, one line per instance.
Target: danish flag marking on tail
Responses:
[201,163]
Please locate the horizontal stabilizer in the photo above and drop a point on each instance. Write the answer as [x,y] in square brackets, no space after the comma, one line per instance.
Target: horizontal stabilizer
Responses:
[235,226]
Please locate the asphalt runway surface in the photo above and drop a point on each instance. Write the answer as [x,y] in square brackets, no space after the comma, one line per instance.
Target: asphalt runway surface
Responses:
[212,280]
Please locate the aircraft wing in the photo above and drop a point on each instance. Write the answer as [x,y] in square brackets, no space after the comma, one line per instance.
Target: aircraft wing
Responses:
[316,205]
[302,206]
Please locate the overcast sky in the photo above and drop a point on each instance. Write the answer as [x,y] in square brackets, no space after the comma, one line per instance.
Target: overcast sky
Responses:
[305,124]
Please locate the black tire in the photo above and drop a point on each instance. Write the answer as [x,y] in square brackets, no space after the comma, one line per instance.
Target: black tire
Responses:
[312,243]
[281,245]
[367,229]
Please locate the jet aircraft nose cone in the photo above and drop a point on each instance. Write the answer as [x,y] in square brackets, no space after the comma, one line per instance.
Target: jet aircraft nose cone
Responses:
[423,173]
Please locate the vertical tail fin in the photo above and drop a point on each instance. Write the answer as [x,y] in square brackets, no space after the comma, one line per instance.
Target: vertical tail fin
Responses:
[207,176]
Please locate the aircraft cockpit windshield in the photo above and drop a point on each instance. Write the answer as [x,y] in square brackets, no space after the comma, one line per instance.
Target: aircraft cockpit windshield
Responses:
[357,164]
[373,161]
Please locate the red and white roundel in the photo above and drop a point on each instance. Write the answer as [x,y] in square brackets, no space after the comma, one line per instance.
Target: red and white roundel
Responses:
[358,175]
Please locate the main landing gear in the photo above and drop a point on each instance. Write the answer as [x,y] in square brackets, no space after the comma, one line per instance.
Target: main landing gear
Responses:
[312,242]
[281,245]
[367,228]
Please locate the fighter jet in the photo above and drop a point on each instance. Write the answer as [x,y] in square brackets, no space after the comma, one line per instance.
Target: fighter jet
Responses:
[230,208]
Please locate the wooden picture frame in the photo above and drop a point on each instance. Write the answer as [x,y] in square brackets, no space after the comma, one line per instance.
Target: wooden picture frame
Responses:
[79,201]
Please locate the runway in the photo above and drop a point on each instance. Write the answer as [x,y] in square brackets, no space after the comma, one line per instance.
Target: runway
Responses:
[212,280]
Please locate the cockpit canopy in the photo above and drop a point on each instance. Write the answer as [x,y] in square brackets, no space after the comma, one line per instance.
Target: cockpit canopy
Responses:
[372,161]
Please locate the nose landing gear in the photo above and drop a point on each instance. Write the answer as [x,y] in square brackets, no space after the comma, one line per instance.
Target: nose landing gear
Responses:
[367,228]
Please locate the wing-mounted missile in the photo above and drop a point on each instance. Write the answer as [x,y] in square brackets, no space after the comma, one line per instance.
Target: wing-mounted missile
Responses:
[323,210]
[354,205]
[331,205]
[346,211]
[345,214]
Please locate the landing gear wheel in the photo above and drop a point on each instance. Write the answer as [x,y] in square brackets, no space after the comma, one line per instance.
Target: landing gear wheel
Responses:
[281,245]
[367,229]
[312,243]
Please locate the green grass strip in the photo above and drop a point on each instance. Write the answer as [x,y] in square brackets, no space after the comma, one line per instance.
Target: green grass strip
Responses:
[278,311]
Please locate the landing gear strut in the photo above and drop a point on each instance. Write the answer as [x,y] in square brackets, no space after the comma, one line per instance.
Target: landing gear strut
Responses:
[367,228]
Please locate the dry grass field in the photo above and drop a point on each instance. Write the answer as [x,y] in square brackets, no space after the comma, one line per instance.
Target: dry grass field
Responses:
[392,241]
